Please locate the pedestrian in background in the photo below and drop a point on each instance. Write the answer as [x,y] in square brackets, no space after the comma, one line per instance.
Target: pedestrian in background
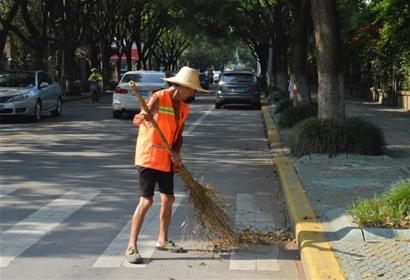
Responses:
[211,77]
[154,163]
[95,79]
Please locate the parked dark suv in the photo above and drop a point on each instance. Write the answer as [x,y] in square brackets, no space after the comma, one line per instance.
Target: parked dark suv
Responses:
[237,87]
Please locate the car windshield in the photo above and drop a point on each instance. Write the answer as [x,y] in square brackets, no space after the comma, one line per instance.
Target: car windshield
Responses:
[17,80]
[237,78]
[149,78]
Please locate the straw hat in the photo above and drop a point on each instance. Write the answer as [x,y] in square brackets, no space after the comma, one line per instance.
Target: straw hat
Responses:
[187,77]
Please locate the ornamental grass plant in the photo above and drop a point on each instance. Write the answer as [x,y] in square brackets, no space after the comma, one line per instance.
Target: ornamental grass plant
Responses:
[290,116]
[283,105]
[391,210]
[353,135]
[275,94]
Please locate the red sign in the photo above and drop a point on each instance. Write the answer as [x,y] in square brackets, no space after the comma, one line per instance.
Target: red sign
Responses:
[134,56]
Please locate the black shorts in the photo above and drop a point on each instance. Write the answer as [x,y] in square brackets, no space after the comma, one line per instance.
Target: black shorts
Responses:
[150,177]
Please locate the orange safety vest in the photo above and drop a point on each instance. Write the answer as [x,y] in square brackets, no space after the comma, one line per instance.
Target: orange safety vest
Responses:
[150,151]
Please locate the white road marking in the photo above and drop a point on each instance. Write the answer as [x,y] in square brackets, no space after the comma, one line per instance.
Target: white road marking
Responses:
[196,123]
[21,134]
[254,257]
[24,234]
[113,256]
[6,192]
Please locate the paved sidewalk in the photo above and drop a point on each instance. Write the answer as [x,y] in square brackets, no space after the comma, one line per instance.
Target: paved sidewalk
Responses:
[333,184]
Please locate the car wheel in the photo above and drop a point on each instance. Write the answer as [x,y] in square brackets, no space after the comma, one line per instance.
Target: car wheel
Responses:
[37,111]
[116,114]
[218,105]
[59,108]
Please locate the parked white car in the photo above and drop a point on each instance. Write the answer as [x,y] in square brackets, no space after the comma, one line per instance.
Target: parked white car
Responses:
[29,94]
[123,98]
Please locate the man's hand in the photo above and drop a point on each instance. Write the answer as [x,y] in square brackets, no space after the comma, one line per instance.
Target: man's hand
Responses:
[145,116]
[142,116]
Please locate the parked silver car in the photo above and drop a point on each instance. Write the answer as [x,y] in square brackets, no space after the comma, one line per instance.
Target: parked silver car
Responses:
[123,98]
[237,87]
[29,94]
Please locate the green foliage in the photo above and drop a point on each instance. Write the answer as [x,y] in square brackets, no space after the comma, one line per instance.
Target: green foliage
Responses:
[353,135]
[275,94]
[376,35]
[245,57]
[390,210]
[283,105]
[205,53]
[292,115]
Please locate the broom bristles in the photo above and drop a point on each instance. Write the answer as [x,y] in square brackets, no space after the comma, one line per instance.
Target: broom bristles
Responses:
[209,208]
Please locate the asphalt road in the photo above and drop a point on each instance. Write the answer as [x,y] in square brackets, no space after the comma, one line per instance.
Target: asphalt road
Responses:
[69,187]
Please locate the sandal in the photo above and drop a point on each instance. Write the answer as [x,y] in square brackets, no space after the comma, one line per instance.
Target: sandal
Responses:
[171,247]
[133,256]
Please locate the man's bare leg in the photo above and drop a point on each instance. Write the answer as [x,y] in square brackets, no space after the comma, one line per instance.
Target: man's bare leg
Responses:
[165,217]
[137,220]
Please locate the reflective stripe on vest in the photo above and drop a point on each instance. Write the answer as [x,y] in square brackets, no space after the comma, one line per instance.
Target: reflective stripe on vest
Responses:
[150,151]
[166,110]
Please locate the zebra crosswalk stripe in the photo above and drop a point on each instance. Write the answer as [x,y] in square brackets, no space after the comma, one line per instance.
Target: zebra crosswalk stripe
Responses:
[24,234]
[259,258]
[113,256]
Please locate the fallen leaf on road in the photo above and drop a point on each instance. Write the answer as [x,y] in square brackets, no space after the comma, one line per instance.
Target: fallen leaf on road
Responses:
[367,274]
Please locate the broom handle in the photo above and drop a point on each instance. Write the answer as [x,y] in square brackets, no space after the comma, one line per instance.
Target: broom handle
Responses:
[154,123]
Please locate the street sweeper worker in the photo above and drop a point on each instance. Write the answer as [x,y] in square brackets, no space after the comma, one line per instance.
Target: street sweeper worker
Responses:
[154,163]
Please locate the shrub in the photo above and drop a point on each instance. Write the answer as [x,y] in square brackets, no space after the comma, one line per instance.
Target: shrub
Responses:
[283,105]
[353,135]
[390,210]
[275,95]
[292,115]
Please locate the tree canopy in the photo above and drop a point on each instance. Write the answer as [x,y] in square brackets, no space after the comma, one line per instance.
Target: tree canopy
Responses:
[76,35]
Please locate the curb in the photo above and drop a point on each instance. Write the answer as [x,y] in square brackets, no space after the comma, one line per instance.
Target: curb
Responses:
[317,256]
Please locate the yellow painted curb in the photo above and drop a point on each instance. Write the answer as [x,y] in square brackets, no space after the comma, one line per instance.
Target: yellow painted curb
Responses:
[271,132]
[317,256]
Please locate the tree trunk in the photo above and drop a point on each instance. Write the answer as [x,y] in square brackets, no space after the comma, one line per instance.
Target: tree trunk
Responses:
[262,57]
[301,15]
[3,58]
[281,52]
[106,54]
[329,60]
[39,55]
[281,65]
[5,28]
[95,61]
[69,69]
[128,55]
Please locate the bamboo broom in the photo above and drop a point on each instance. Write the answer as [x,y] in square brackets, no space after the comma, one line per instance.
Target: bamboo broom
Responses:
[208,204]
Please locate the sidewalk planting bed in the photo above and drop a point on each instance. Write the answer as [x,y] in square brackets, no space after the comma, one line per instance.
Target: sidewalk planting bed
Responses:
[391,210]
